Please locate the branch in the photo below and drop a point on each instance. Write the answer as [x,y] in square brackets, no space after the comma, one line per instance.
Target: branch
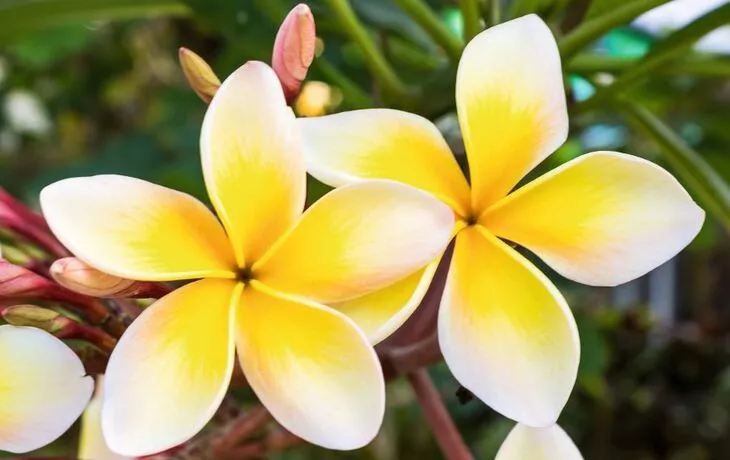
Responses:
[447,435]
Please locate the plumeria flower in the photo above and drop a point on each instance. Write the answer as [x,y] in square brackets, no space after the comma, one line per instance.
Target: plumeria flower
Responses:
[269,275]
[43,388]
[548,443]
[601,219]
[92,445]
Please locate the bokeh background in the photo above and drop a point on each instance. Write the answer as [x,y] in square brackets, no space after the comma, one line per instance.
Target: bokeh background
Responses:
[94,86]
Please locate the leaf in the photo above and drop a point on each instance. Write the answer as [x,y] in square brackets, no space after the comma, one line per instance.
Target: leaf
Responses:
[21,17]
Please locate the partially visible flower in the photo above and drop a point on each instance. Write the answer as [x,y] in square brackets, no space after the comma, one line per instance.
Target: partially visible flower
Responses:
[26,113]
[269,272]
[526,443]
[43,388]
[603,219]
[92,445]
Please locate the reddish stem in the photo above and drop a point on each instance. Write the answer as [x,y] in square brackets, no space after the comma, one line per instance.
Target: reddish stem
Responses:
[241,428]
[447,435]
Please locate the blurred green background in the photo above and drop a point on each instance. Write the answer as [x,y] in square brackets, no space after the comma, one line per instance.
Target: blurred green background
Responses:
[94,86]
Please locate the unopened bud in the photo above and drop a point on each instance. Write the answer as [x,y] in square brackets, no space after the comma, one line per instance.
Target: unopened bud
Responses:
[20,283]
[294,49]
[77,276]
[32,315]
[199,74]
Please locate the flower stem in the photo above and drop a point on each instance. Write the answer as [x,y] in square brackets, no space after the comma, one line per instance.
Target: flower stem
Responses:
[375,60]
[422,13]
[470,12]
[592,30]
[495,12]
[241,428]
[447,435]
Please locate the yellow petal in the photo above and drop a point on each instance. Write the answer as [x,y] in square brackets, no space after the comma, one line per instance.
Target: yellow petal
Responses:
[312,368]
[383,144]
[602,219]
[252,160]
[382,312]
[171,369]
[525,443]
[43,388]
[511,104]
[135,229]
[92,445]
[505,331]
[357,239]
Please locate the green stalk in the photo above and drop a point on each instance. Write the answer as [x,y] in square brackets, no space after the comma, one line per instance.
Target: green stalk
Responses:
[701,179]
[374,59]
[425,17]
[495,11]
[592,30]
[470,12]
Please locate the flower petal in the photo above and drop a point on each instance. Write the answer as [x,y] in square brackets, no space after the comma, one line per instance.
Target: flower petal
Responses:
[92,445]
[252,160]
[171,369]
[43,388]
[550,443]
[382,312]
[602,219]
[511,104]
[358,239]
[312,368]
[505,331]
[383,144]
[137,230]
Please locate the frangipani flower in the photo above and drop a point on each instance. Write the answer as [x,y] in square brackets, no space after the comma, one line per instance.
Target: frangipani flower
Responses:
[602,219]
[92,445]
[268,274]
[550,443]
[43,388]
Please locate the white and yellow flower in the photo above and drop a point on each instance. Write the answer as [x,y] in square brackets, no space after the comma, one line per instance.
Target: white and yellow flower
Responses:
[269,273]
[549,443]
[602,219]
[43,388]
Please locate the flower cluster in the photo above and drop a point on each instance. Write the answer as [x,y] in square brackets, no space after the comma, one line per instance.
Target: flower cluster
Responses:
[298,298]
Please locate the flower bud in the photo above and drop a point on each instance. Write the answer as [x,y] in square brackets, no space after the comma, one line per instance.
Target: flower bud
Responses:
[294,49]
[20,283]
[31,315]
[199,74]
[77,276]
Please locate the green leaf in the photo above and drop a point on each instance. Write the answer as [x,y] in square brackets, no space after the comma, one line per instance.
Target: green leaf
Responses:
[701,179]
[21,17]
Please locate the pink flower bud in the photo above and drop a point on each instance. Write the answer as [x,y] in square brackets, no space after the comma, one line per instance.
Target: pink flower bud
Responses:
[20,283]
[294,49]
